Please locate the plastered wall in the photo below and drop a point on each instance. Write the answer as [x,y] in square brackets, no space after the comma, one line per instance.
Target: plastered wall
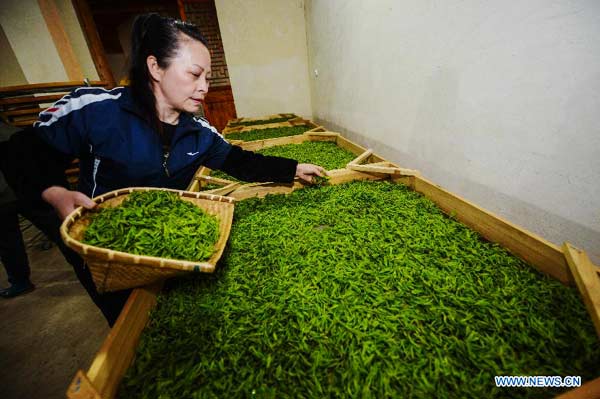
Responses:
[496,101]
[11,73]
[265,48]
[34,54]
[26,31]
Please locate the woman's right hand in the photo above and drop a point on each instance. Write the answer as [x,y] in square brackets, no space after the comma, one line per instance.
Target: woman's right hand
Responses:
[65,201]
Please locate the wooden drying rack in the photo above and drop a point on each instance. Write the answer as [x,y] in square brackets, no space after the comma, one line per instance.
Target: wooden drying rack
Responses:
[569,265]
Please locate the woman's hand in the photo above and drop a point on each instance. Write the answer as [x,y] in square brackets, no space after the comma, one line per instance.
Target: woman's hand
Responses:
[305,171]
[65,201]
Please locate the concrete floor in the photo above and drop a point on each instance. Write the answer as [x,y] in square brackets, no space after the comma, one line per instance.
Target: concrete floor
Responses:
[50,333]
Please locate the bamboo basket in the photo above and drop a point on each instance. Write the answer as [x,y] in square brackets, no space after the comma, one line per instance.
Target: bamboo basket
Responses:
[115,270]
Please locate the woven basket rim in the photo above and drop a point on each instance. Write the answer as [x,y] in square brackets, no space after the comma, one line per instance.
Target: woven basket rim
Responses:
[110,255]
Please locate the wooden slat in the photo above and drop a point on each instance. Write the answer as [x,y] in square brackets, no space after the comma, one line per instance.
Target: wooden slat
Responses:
[236,129]
[82,388]
[331,136]
[337,176]
[193,186]
[266,126]
[316,130]
[117,351]
[375,168]
[589,390]
[224,190]
[266,143]
[350,146]
[24,123]
[19,112]
[30,100]
[543,255]
[587,280]
[324,136]
[262,118]
[216,180]
[361,158]
[46,87]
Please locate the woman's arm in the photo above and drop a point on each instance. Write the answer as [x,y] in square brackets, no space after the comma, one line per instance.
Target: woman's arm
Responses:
[253,167]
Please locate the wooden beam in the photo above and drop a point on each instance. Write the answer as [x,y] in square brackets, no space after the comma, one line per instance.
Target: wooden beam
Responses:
[589,390]
[543,255]
[215,180]
[361,158]
[224,190]
[82,388]
[391,170]
[118,350]
[51,87]
[266,143]
[349,145]
[316,129]
[336,176]
[92,38]
[587,280]
[61,40]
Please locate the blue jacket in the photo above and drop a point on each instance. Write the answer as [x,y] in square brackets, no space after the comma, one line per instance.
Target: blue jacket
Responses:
[118,148]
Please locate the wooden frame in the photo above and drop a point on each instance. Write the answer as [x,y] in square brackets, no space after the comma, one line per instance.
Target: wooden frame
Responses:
[293,121]
[318,133]
[20,105]
[116,353]
[541,254]
[263,118]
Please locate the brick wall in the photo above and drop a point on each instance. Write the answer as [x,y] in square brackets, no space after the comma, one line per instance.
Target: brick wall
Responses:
[204,15]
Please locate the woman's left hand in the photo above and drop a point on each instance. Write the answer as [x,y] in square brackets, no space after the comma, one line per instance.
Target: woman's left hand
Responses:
[306,171]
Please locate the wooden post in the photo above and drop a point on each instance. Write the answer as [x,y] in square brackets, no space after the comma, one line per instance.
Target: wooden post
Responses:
[587,280]
[117,351]
[589,390]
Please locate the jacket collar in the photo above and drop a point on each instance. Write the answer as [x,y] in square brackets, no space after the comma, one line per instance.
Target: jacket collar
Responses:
[128,103]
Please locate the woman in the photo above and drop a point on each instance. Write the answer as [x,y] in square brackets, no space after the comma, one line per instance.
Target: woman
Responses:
[142,135]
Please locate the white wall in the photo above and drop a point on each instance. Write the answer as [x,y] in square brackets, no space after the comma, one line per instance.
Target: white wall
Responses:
[265,49]
[32,46]
[498,101]
[10,71]
[28,35]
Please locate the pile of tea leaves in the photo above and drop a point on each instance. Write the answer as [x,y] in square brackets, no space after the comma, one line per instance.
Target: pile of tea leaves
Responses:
[260,121]
[270,133]
[323,153]
[364,289]
[155,223]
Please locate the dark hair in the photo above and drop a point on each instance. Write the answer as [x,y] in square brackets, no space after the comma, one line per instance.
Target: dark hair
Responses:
[158,36]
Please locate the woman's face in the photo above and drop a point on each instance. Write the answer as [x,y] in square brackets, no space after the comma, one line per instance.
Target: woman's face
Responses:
[183,83]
